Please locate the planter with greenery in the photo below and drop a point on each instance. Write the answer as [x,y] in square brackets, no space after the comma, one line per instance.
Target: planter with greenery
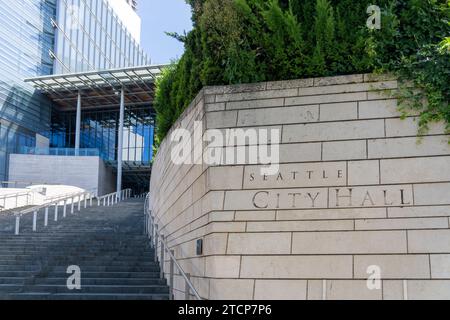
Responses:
[246,41]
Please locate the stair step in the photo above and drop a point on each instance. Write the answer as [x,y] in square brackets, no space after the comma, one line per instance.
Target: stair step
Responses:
[116,260]
[83,296]
[110,274]
[94,289]
[97,281]
[12,280]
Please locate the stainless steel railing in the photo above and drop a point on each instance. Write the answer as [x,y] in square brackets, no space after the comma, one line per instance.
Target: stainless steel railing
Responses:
[26,198]
[22,184]
[141,196]
[157,239]
[73,198]
[63,201]
[62,196]
[113,198]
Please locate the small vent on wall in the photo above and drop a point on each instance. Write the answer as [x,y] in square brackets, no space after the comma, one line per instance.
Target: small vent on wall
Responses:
[199,250]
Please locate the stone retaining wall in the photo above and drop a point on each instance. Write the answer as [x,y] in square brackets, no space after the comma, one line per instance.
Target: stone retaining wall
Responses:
[355,191]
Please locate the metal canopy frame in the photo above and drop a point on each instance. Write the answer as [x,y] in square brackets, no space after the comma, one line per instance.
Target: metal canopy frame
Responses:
[100,89]
[104,89]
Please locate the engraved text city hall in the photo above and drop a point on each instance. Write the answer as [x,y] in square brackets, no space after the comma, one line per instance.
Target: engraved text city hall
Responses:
[308,186]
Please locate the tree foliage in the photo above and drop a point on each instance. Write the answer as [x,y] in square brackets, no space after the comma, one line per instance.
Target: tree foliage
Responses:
[246,41]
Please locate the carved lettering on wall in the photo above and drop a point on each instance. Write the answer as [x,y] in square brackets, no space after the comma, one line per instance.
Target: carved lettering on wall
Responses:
[321,198]
[298,175]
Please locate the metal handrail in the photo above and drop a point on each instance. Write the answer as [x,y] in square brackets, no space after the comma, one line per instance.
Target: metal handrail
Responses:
[112,194]
[86,152]
[14,195]
[62,196]
[47,205]
[141,196]
[29,194]
[27,183]
[155,235]
[124,194]
[114,197]
[53,203]
[17,195]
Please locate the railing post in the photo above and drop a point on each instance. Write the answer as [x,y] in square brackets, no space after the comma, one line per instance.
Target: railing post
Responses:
[71,207]
[46,217]
[79,203]
[90,200]
[151,230]
[85,201]
[17,225]
[155,241]
[186,287]
[162,257]
[171,276]
[65,209]
[35,221]
[56,212]
[146,225]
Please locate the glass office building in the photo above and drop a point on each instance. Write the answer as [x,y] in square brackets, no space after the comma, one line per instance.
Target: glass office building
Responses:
[90,36]
[99,131]
[49,37]
[26,38]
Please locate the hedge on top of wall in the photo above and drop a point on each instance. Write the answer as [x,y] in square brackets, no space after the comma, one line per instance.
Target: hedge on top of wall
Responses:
[245,41]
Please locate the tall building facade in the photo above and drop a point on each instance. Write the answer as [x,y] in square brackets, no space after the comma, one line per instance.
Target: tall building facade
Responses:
[92,35]
[44,37]
[26,38]
[133,4]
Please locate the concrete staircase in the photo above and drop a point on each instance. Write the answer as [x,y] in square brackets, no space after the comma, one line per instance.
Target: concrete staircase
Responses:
[107,243]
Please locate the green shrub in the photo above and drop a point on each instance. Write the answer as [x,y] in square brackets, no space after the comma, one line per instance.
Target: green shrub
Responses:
[412,45]
[246,41]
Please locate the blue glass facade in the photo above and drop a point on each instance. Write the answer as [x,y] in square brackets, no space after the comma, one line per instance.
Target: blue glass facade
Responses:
[43,37]
[26,36]
[99,130]
[90,36]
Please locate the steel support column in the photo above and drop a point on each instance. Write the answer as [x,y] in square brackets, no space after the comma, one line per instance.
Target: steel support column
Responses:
[120,142]
[78,125]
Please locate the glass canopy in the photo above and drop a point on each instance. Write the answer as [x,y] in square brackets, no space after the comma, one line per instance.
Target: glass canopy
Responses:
[100,89]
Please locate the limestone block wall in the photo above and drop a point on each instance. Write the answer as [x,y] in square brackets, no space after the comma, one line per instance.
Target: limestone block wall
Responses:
[357,194]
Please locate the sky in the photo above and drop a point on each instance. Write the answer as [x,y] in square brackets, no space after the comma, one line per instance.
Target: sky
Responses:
[159,16]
